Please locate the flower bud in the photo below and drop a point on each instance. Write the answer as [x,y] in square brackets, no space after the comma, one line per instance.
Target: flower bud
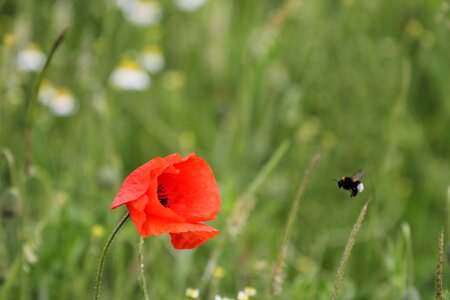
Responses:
[10,203]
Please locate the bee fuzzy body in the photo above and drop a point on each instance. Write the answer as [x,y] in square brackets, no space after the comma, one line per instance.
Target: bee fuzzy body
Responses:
[352,184]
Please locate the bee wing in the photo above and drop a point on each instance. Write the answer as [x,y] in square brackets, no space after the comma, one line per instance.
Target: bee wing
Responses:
[358,174]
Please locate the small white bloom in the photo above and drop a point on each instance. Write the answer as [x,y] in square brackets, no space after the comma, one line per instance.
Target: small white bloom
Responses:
[125,5]
[242,295]
[130,76]
[218,297]
[46,92]
[189,5]
[30,59]
[143,13]
[29,251]
[60,100]
[63,102]
[192,293]
[152,59]
[250,291]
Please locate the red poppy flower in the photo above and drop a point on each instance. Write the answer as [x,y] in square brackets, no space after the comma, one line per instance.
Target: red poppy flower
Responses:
[172,195]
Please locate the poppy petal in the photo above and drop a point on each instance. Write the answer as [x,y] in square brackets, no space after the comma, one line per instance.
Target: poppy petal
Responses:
[158,226]
[137,213]
[192,239]
[136,184]
[193,192]
[145,214]
[171,195]
[172,159]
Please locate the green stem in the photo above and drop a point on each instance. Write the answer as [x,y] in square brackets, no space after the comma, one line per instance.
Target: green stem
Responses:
[439,285]
[243,206]
[101,264]
[12,278]
[9,158]
[277,276]
[32,103]
[142,270]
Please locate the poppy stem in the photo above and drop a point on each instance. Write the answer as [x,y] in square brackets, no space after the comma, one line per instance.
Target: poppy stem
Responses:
[142,270]
[101,264]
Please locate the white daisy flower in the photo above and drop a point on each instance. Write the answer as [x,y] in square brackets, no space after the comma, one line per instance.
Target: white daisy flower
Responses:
[143,12]
[130,76]
[152,59]
[59,100]
[189,5]
[218,297]
[192,293]
[250,291]
[31,59]
[46,92]
[242,296]
[125,5]
[63,103]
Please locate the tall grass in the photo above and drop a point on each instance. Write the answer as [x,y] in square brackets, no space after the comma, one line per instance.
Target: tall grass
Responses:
[439,285]
[278,273]
[256,88]
[31,104]
[347,252]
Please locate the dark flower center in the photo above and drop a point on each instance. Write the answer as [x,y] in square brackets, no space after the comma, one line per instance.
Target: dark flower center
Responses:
[162,196]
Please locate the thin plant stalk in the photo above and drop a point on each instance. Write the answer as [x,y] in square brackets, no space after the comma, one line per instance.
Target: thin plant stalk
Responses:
[242,209]
[9,158]
[11,279]
[347,251]
[267,169]
[31,105]
[101,264]
[409,268]
[277,276]
[438,294]
[142,269]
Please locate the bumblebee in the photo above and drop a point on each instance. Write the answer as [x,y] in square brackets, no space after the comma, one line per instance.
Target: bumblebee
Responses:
[352,184]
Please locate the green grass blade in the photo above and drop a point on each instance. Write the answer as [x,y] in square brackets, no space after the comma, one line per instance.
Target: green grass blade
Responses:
[439,283]
[243,207]
[277,277]
[347,251]
[31,105]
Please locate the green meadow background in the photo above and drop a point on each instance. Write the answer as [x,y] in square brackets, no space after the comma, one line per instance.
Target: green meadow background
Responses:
[257,88]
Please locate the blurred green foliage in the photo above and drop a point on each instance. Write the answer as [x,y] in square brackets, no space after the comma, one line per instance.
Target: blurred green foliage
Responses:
[363,83]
